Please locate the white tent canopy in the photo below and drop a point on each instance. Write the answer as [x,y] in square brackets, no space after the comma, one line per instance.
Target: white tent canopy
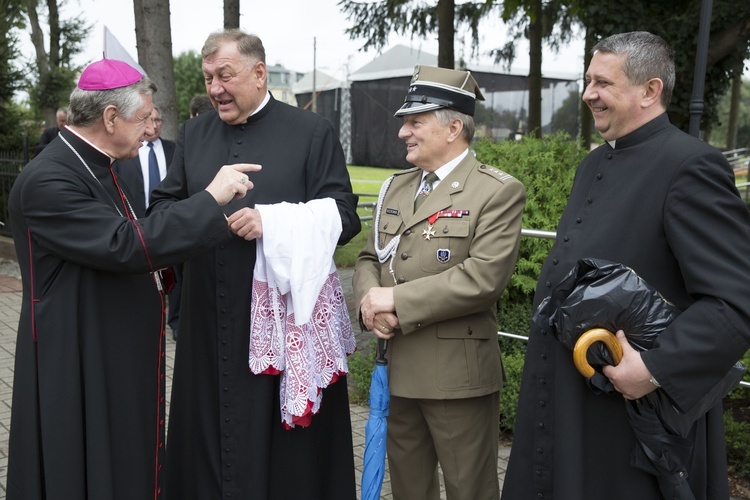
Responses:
[323,82]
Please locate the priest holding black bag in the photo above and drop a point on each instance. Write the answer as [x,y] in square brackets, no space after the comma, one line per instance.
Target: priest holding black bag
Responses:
[664,204]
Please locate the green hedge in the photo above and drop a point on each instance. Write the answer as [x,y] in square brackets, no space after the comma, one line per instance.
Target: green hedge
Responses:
[737,436]
[546,168]
[361,365]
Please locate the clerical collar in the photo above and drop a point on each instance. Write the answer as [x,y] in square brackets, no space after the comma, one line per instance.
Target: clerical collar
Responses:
[446,169]
[74,132]
[644,132]
[612,143]
[262,105]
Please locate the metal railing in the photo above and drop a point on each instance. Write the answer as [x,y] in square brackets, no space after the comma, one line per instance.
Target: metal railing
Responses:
[738,158]
[10,166]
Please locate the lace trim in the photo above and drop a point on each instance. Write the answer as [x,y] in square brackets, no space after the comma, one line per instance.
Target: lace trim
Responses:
[308,357]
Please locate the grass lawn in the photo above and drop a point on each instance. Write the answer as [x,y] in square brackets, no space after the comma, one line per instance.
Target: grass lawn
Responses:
[365,180]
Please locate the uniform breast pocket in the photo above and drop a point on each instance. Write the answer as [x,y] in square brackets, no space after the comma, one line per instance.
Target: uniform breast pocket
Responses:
[389,226]
[448,244]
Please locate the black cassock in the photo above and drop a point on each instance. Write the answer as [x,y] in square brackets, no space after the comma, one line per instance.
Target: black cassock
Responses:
[88,398]
[225,433]
[664,204]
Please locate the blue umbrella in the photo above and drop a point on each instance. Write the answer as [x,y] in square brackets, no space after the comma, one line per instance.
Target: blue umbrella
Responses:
[373,469]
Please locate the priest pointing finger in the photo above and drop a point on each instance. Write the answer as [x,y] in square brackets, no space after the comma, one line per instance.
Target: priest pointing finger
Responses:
[88,398]
[231,183]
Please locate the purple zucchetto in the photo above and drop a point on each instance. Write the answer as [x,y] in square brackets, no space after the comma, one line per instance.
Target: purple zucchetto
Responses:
[108,74]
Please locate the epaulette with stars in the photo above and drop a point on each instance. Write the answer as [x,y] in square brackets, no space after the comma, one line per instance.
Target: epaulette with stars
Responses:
[495,173]
[406,171]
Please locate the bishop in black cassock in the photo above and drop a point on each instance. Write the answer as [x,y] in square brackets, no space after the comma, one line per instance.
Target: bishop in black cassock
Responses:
[88,416]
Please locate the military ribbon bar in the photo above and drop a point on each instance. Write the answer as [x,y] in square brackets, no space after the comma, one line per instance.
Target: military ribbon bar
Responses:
[446,214]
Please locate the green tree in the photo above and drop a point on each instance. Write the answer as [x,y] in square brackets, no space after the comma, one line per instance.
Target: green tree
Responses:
[153,35]
[719,133]
[541,22]
[734,105]
[11,78]
[231,14]
[188,81]
[566,116]
[486,116]
[53,74]
[375,21]
[531,19]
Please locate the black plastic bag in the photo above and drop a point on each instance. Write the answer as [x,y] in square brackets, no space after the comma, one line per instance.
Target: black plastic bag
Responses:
[602,294]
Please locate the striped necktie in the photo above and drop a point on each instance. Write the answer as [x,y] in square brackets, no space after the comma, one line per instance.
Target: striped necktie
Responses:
[427,183]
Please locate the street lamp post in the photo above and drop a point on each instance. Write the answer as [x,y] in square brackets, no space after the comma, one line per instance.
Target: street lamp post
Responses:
[699,74]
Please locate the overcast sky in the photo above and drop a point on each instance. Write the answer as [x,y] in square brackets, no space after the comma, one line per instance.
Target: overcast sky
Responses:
[289,30]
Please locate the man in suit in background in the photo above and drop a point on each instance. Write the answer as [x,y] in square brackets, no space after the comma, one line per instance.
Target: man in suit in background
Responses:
[51,132]
[141,174]
[442,250]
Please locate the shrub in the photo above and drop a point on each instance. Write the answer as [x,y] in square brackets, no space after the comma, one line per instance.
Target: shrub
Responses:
[546,168]
[515,318]
[513,364]
[361,364]
[737,427]
[737,435]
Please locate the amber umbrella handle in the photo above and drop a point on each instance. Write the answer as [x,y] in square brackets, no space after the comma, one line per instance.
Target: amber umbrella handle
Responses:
[585,341]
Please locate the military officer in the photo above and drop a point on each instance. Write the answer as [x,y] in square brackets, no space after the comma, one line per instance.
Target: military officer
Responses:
[443,247]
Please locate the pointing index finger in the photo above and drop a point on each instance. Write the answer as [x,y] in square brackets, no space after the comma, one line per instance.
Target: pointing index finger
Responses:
[245,167]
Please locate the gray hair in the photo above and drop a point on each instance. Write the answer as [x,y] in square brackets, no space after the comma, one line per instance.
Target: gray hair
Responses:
[249,46]
[446,115]
[647,56]
[86,106]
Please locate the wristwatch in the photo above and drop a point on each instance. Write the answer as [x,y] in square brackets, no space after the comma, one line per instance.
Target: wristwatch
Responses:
[653,381]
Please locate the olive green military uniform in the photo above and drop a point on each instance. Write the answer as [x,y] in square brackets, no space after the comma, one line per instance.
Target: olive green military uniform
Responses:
[454,258]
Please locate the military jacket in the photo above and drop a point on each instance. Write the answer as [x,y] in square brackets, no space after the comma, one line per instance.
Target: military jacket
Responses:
[453,260]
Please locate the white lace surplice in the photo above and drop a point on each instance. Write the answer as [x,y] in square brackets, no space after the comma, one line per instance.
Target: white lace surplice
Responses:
[300,326]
